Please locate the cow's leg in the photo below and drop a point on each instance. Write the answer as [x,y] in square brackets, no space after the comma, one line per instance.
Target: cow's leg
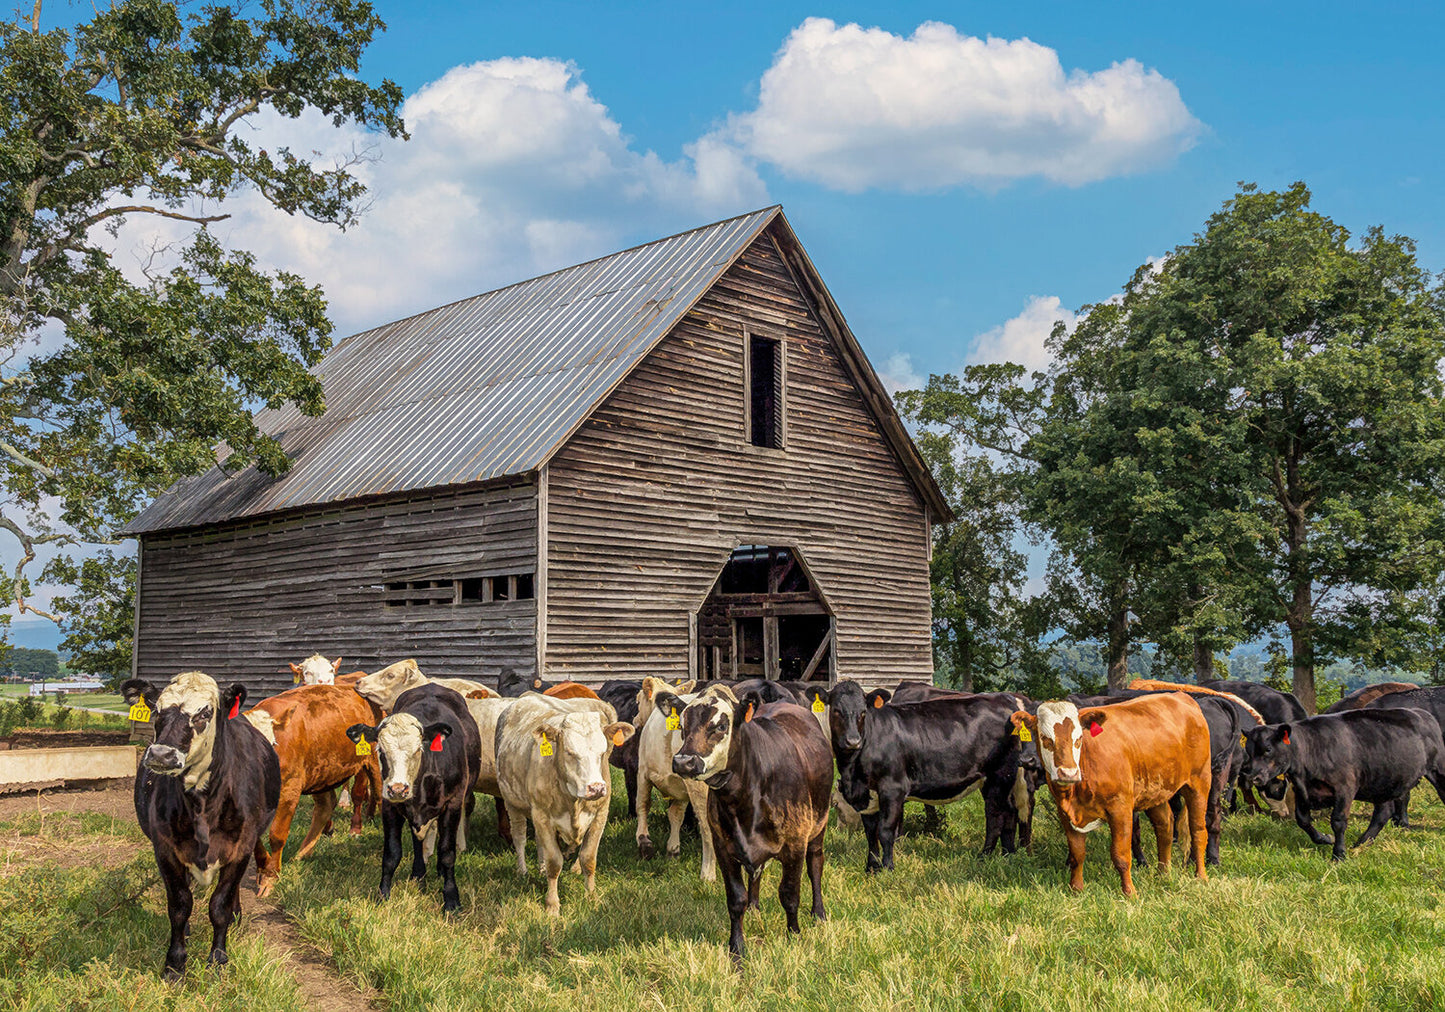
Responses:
[697,798]
[1136,843]
[870,833]
[644,801]
[178,908]
[890,820]
[815,874]
[1121,825]
[587,852]
[1339,822]
[790,886]
[1161,817]
[1303,820]
[280,829]
[356,793]
[391,823]
[549,856]
[737,898]
[755,884]
[325,804]
[504,822]
[933,820]
[629,772]
[1176,809]
[1378,818]
[1196,802]
[1077,842]
[675,811]
[373,786]
[1400,811]
[517,818]
[449,828]
[422,848]
[224,904]
[1214,813]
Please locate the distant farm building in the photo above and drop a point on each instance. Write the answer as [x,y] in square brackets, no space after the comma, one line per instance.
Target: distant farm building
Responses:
[674,460]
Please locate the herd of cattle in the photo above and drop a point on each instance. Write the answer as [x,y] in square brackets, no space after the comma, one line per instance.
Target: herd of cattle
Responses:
[760,762]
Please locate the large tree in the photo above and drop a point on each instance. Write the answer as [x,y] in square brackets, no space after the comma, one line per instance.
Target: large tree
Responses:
[116,385]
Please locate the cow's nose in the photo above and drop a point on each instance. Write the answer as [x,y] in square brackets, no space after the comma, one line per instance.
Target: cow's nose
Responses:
[163,758]
[852,741]
[595,791]
[686,765]
[1064,776]
[397,792]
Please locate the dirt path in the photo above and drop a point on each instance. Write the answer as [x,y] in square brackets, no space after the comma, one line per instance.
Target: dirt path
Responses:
[324,989]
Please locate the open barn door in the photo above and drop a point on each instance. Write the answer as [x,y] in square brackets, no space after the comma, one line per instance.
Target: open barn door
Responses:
[765,618]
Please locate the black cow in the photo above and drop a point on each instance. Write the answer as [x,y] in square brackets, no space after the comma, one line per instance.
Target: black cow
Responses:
[205,795]
[1432,701]
[933,751]
[513,684]
[1275,707]
[769,775]
[1335,759]
[1226,720]
[426,778]
[621,695]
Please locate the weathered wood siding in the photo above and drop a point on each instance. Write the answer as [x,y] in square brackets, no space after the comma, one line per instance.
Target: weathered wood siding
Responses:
[646,502]
[240,601]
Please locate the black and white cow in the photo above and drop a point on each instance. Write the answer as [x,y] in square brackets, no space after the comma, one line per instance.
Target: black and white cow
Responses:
[769,775]
[1335,759]
[934,751]
[205,795]
[430,758]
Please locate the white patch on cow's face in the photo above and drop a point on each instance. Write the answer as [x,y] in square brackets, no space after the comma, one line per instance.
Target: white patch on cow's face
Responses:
[399,745]
[1060,741]
[317,670]
[382,687]
[197,698]
[708,727]
[580,752]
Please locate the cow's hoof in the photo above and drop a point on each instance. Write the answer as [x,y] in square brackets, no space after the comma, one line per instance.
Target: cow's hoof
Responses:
[264,886]
[674,852]
[554,911]
[171,975]
[218,958]
[645,850]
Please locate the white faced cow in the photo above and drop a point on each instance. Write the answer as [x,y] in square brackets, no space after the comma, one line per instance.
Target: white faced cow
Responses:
[205,795]
[316,670]
[658,742]
[552,769]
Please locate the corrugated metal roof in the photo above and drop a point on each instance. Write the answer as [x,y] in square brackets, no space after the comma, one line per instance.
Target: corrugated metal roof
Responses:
[478,389]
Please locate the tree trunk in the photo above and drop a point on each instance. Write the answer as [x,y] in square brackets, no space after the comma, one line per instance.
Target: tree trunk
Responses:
[964,671]
[1203,661]
[1119,649]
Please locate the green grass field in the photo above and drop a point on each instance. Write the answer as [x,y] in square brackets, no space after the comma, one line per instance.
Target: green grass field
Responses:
[1278,927]
[91,700]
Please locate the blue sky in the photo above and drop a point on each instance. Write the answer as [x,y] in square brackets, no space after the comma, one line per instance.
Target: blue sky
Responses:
[959,187]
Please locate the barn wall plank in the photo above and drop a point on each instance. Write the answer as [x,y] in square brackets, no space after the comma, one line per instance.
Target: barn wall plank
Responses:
[648,499]
[241,601]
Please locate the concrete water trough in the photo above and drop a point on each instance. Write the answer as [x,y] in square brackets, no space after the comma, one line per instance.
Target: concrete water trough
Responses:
[28,768]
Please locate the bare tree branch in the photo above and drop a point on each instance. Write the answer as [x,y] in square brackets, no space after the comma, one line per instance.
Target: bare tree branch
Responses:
[17,582]
[21,458]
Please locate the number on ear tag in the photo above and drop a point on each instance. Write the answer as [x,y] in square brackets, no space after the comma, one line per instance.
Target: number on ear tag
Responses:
[363,747]
[673,720]
[546,747]
[1023,733]
[140,712]
[1243,741]
[818,704]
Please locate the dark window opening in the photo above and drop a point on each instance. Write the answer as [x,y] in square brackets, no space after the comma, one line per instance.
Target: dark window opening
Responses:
[765,394]
[467,590]
[524,586]
[472,589]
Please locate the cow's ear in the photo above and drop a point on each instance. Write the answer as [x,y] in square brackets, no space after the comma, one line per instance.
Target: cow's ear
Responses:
[1283,734]
[651,686]
[665,702]
[233,699]
[747,707]
[878,697]
[356,732]
[1022,718]
[682,688]
[1093,715]
[295,668]
[438,728]
[133,689]
[813,693]
[336,666]
[618,733]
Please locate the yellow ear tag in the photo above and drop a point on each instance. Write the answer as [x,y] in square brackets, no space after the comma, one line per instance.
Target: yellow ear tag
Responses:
[817,704]
[546,747]
[618,738]
[296,678]
[674,721]
[1023,733]
[140,711]
[363,747]
[1243,741]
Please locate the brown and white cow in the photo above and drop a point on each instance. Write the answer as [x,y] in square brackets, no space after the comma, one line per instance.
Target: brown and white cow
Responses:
[309,725]
[316,670]
[205,793]
[658,741]
[1104,763]
[552,769]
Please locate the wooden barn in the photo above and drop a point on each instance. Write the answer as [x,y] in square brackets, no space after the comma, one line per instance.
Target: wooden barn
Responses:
[674,460]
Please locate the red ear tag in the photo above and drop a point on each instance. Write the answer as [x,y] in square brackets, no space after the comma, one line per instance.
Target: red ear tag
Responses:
[1286,737]
[436,744]
[235,708]
[1095,730]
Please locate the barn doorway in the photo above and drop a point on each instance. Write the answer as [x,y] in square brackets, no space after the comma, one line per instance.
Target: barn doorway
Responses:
[765,618]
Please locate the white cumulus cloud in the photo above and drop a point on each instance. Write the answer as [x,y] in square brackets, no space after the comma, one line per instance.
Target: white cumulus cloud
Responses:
[853,108]
[1022,339]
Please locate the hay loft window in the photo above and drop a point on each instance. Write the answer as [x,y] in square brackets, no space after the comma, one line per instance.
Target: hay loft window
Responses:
[469,590]
[765,392]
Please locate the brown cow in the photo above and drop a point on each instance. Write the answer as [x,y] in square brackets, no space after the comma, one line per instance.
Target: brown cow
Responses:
[316,757]
[571,690]
[1104,763]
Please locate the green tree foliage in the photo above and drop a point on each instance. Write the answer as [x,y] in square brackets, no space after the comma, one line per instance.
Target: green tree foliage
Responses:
[99,610]
[143,111]
[28,661]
